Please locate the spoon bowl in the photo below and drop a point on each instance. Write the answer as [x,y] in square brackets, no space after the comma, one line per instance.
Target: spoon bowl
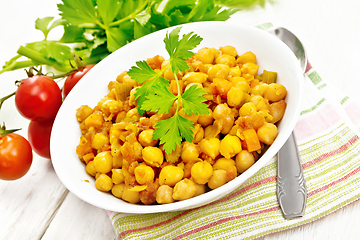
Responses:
[293,43]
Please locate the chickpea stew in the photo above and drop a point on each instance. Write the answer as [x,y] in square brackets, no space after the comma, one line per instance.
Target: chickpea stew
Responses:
[117,145]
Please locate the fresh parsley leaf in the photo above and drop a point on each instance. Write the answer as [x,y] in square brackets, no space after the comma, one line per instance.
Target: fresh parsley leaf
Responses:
[153,95]
[173,5]
[73,34]
[177,17]
[161,100]
[116,38]
[142,72]
[42,24]
[193,101]
[144,16]
[142,30]
[171,131]
[179,50]
[108,10]
[78,12]
[207,10]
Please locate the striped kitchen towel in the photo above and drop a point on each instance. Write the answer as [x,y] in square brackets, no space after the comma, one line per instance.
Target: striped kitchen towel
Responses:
[329,146]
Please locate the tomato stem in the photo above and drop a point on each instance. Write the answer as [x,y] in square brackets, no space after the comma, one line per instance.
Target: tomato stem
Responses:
[3,131]
[2,100]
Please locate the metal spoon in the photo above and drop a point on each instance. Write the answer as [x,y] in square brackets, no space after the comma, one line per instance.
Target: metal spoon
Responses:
[291,188]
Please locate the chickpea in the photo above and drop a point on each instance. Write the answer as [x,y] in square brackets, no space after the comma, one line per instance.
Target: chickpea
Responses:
[127,79]
[277,110]
[230,50]
[275,92]
[224,163]
[90,168]
[234,97]
[206,55]
[121,76]
[146,138]
[241,83]
[103,183]
[184,189]
[225,123]
[234,72]
[210,147]
[201,172]
[259,89]
[111,107]
[198,85]
[132,101]
[133,113]
[212,130]
[118,189]
[198,133]
[83,112]
[250,68]
[164,194]
[187,169]
[103,162]
[247,57]
[226,59]
[120,116]
[206,120]
[217,179]
[153,156]
[190,152]
[218,71]
[200,189]
[144,174]
[244,160]
[117,176]
[194,77]
[170,175]
[230,146]
[99,140]
[221,110]
[267,133]
[260,103]
[247,109]
[129,195]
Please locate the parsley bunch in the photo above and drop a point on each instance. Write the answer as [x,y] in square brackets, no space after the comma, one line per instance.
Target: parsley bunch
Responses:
[95,28]
[154,95]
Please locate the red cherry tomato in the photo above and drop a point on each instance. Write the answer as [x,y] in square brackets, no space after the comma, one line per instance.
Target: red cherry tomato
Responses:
[71,80]
[15,156]
[39,137]
[38,98]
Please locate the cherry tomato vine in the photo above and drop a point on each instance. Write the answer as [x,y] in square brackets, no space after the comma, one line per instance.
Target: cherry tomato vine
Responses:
[38,99]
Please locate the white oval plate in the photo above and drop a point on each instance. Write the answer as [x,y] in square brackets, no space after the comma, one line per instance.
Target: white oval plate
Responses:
[272,55]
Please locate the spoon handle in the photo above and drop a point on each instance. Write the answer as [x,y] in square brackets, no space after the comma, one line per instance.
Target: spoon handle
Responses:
[291,187]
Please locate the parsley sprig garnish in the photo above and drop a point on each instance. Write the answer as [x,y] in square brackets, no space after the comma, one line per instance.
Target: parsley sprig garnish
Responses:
[154,95]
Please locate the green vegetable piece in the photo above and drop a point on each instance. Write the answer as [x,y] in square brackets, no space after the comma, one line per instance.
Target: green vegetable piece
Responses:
[268,77]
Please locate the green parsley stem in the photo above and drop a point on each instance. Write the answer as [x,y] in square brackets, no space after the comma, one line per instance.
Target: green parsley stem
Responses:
[18,65]
[131,16]
[40,59]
